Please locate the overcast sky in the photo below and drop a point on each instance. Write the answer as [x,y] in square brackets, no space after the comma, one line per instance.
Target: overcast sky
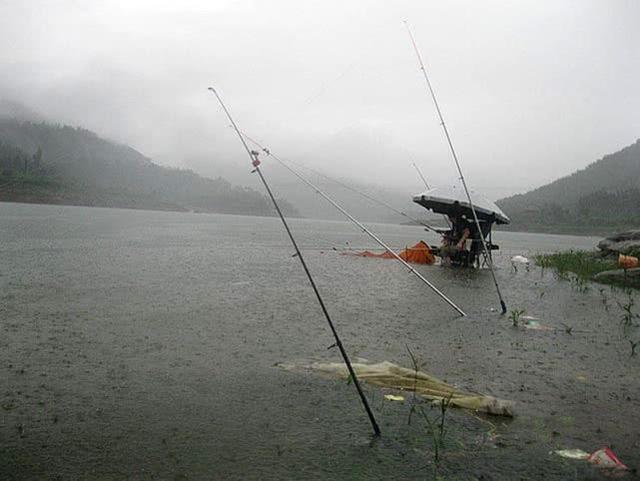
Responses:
[530,90]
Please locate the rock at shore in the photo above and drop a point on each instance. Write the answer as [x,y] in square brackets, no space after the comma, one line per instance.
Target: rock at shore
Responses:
[629,277]
[627,243]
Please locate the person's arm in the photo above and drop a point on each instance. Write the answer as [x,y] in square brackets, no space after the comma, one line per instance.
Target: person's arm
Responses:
[465,236]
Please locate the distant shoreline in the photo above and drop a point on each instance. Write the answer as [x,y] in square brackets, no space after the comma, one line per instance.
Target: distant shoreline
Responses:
[71,198]
[576,230]
[565,230]
[143,206]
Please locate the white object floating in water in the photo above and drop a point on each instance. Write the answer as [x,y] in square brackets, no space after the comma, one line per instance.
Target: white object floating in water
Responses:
[393,397]
[572,453]
[522,260]
[391,376]
[531,322]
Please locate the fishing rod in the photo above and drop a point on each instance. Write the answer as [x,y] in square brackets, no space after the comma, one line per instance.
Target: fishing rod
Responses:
[253,157]
[487,255]
[421,176]
[429,188]
[353,189]
[357,223]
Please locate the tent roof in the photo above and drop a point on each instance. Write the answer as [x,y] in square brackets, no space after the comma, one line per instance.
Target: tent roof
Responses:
[453,200]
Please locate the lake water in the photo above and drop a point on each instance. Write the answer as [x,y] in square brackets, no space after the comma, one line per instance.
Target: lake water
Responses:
[142,345]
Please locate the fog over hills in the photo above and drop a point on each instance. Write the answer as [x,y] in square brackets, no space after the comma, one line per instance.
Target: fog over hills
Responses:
[77,166]
[328,171]
[49,163]
[530,90]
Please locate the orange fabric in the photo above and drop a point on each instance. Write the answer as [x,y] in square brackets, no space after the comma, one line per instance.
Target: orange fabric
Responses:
[627,262]
[418,254]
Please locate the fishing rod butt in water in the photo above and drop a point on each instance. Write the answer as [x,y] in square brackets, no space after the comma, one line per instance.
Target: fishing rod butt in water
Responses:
[253,156]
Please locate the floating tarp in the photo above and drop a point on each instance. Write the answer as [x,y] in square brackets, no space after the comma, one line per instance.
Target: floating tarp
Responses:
[389,375]
[418,254]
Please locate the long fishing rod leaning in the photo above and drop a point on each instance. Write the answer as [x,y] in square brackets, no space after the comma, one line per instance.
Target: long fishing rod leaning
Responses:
[365,195]
[360,225]
[421,176]
[369,197]
[429,188]
[487,254]
[350,188]
[253,157]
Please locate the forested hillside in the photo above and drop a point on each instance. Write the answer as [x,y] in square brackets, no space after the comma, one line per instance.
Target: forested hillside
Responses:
[606,194]
[46,163]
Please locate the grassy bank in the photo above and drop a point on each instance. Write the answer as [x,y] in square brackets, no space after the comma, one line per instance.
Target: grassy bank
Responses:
[584,264]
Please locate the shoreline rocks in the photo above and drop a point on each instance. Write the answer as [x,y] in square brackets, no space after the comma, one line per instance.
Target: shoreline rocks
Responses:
[627,243]
[629,277]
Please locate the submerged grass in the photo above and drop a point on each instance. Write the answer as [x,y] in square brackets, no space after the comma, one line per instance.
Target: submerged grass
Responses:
[584,264]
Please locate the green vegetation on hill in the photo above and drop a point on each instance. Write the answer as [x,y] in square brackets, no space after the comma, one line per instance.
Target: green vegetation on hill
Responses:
[45,163]
[604,196]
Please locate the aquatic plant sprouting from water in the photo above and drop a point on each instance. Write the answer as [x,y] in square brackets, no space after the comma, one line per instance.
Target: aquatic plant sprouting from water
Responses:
[604,299]
[416,367]
[437,429]
[579,284]
[627,320]
[515,315]
[627,312]
[579,267]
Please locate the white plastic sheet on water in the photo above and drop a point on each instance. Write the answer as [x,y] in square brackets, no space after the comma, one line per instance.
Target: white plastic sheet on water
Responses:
[393,397]
[388,375]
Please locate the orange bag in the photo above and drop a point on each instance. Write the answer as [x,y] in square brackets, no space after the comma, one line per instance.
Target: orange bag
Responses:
[627,262]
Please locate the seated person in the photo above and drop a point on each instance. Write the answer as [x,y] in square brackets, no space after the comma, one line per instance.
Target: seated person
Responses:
[455,240]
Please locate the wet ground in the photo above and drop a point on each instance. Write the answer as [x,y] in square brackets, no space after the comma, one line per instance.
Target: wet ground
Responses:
[142,345]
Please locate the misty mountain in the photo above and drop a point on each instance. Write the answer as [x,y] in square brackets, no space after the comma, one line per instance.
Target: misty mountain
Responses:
[311,204]
[346,162]
[339,171]
[342,190]
[10,109]
[604,194]
[47,163]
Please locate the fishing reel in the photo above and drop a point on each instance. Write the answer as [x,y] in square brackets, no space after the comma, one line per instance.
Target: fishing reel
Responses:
[255,162]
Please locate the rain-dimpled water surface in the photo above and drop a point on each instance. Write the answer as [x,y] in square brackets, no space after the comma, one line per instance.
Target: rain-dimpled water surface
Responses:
[144,345]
